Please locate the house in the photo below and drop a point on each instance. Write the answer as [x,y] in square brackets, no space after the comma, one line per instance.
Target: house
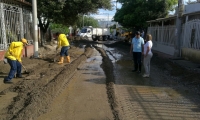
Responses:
[15,23]
[164,33]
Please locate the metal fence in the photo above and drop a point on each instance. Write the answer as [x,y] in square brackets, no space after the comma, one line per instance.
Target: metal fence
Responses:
[192,34]
[164,35]
[15,23]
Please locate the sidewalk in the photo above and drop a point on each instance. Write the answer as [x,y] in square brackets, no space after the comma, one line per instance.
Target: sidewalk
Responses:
[189,65]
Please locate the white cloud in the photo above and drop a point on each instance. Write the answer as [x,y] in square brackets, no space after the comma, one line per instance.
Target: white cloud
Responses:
[103,14]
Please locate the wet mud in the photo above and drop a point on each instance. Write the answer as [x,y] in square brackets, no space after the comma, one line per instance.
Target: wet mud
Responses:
[47,79]
[44,82]
[107,67]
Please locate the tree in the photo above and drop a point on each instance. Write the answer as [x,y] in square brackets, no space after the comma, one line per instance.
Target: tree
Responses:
[135,13]
[59,28]
[86,21]
[46,11]
[66,11]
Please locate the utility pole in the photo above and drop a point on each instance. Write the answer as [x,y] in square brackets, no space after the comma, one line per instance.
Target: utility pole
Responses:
[35,28]
[83,20]
[177,52]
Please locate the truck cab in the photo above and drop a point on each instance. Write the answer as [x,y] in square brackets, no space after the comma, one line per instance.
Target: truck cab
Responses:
[95,33]
[85,33]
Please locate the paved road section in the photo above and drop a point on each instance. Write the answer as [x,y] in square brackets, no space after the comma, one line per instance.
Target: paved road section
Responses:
[156,98]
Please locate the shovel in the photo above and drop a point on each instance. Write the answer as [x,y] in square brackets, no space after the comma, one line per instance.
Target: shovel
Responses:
[55,60]
[26,72]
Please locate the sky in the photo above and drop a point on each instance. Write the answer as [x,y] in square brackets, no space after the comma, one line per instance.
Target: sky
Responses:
[105,14]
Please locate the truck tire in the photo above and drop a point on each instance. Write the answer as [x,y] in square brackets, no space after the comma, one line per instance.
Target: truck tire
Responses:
[105,38]
[101,38]
[94,37]
[98,38]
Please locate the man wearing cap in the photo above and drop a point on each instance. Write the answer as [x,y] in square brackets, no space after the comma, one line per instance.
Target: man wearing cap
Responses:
[13,55]
[64,43]
[136,49]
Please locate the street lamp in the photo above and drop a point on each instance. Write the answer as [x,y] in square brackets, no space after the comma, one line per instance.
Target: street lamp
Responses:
[108,17]
[84,18]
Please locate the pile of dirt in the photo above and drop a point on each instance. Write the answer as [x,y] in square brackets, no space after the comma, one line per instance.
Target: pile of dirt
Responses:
[107,67]
[44,82]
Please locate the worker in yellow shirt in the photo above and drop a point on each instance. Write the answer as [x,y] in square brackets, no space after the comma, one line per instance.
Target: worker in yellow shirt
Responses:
[64,43]
[13,55]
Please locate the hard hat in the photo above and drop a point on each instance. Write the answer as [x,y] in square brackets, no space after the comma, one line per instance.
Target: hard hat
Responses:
[24,41]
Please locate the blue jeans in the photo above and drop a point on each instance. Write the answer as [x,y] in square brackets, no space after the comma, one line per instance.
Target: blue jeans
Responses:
[137,58]
[15,66]
[64,51]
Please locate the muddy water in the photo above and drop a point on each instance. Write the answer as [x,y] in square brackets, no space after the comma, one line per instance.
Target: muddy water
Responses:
[158,97]
[84,97]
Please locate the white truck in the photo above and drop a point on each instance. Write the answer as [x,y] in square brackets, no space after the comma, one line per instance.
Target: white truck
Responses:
[95,33]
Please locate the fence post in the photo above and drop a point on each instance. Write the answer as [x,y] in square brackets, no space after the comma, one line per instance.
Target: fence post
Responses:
[21,23]
[177,52]
[3,28]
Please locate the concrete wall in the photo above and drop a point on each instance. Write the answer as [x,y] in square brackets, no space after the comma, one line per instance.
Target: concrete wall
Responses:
[29,51]
[2,55]
[192,8]
[163,48]
[191,54]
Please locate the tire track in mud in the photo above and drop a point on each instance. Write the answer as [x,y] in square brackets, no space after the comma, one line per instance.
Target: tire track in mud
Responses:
[34,98]
[107,67]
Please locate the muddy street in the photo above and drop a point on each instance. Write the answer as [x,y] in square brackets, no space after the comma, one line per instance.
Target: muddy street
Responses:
[98,85]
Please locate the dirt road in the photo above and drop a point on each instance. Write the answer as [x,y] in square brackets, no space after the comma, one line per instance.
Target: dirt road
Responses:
[98,85]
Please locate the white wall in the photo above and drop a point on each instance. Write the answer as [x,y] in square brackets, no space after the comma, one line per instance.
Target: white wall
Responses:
[192,8]
[163,48]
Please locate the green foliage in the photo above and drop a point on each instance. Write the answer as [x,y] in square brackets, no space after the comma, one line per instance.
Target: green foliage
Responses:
[74,8]
[135,13]
[59,28]
[86,21]
[67,11]
[113,26]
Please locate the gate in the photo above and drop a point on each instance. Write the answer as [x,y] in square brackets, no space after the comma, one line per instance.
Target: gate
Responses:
[192,34]
[15,23]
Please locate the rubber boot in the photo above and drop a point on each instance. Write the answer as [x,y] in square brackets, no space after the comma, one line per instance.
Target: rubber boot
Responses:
[61,60]
[68,59]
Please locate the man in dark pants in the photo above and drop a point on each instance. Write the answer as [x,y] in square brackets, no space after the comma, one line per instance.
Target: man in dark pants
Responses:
[64,43]
[137,46]
[13,55]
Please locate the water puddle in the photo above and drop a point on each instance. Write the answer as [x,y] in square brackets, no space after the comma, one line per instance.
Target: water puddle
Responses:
[94,58]
[112,53]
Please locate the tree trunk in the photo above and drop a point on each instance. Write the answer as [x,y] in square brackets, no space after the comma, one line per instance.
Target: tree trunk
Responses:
[43,24]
